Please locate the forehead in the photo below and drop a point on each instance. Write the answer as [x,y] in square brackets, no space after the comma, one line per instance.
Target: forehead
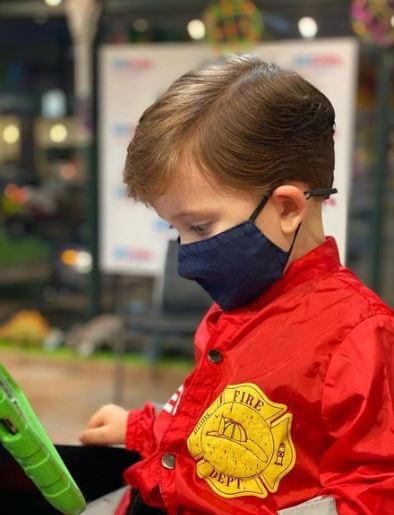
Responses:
[189,188]
[194,193]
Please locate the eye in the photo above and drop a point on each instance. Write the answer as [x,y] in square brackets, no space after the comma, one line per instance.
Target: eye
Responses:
[200,229]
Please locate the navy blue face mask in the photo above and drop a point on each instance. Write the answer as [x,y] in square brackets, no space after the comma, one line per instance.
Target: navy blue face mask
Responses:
[237,265]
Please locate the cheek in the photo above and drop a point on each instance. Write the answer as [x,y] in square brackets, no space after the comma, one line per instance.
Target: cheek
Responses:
[234,213]
[269,224]
[226,223]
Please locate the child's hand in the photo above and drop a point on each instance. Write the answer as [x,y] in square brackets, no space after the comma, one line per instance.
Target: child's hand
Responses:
[106,427]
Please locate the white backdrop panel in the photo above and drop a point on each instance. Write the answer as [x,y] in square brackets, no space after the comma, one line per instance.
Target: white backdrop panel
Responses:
[133,239]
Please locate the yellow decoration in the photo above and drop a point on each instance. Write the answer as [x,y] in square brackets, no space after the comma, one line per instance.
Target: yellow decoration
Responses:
[27,326]
[242,443]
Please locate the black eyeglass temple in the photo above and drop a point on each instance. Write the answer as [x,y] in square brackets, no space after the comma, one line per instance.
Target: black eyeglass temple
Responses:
[323,192]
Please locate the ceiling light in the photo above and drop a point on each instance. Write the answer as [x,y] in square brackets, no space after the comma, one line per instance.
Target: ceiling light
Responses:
[11,134]
[83,262]
[53,3]
[307,27]
[58,133]
[80,260]
[196,29]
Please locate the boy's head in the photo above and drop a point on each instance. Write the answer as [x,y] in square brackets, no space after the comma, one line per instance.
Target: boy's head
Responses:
[222,137]
[246,124]
[221,142]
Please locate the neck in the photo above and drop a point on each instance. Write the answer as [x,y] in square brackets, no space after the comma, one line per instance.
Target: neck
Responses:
[310,236]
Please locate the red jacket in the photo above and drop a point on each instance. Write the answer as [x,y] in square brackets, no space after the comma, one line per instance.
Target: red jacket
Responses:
[292,397]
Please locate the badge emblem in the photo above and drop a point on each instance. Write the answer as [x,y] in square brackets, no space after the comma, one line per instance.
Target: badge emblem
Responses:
[242,443]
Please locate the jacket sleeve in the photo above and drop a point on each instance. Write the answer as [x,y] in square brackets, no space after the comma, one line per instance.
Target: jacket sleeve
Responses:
[139,431]
[358,413]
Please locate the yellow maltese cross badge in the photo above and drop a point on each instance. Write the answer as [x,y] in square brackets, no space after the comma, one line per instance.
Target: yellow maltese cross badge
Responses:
[242,443]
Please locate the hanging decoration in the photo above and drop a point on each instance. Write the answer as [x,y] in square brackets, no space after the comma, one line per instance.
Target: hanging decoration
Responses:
[233,24]
[373,21]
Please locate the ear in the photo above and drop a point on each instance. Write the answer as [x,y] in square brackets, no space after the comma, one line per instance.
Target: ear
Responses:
[291,207]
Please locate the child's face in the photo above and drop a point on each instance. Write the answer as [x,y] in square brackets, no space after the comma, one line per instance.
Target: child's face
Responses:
[199,208]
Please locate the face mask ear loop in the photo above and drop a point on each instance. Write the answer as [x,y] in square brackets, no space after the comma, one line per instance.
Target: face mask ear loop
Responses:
[259,208]
[294,239]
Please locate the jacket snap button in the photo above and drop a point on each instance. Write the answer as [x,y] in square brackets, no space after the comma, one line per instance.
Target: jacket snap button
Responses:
[215,356]
[168,461]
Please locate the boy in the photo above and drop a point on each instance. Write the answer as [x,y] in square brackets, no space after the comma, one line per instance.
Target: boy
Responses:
[290,406]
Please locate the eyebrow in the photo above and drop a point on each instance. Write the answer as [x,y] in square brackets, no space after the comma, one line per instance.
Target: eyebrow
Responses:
[190,213]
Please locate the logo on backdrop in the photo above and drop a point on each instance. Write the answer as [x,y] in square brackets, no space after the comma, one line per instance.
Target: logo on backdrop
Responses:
[320,61]
[135,254]
[131,64]
[123,130]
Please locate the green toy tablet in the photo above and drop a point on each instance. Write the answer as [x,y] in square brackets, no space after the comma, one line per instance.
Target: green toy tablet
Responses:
[23,436]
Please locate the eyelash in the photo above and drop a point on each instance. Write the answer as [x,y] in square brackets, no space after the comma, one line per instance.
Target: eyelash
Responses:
[201,230]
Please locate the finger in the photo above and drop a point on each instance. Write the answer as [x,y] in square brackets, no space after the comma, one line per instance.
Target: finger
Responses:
[97,420]
[100,418]
[96,436]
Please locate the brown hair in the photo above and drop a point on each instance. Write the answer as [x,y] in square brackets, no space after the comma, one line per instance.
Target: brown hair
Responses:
[249,124]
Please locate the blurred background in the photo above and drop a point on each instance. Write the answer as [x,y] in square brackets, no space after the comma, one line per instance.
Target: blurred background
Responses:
[91,310]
